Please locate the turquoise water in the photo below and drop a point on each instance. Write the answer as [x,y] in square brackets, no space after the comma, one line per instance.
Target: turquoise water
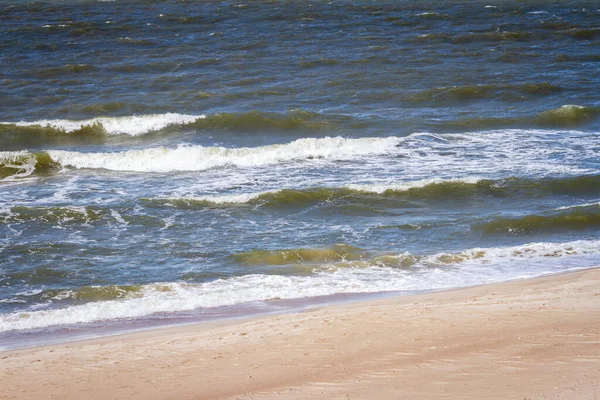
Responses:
[163,161]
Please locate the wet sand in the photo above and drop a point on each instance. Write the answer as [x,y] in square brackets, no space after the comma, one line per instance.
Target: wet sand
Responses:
[526,339]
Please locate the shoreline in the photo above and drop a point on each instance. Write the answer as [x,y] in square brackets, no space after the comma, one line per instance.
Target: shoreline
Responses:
[25,340]
[65,334]
[516,339]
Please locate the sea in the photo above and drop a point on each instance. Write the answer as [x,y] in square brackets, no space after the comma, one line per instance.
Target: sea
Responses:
[166,162]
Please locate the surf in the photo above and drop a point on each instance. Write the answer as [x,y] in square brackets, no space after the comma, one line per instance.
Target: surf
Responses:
[425,272]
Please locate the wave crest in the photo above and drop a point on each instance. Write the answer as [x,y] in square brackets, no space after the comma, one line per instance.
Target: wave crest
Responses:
[199,158]
[134,125]
[430,189]
[256,120]
[568,115]
[337,252]
[360,276]
[20,164]
[579,218]
[459,94]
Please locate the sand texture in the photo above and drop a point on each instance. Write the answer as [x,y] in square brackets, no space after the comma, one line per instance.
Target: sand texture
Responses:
[527,339]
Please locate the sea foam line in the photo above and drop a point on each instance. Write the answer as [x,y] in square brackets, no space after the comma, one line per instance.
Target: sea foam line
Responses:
[378,188]
[475,266]
[520,151]
[199,158]
[583,205]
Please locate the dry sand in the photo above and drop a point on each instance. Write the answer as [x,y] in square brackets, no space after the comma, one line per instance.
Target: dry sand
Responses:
[527,339]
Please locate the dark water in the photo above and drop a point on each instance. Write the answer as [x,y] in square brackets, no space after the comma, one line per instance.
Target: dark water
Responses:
[161,158]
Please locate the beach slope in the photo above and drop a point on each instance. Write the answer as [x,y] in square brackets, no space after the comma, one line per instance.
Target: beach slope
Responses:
[534,338]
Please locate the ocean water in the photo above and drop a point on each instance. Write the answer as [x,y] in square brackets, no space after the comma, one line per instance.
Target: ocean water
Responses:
[166,161]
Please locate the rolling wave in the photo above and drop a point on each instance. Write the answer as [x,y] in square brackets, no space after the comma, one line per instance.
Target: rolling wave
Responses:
[567,116]
[460,94]
[20,164]
[99,129]
[442,152]
[200,158]
[430,189]
[137,125]
[439,152]
[79,295]
[134,125]
[579,218]
[337,252]
[552,32]
[434,272]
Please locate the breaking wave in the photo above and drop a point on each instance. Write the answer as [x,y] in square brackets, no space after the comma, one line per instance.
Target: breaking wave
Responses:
[260,121]
[448,148]
[20,164]
[568,115]
[434,272]
[27,134]
[430,189]
[131,125]
[50,130]
[199,158]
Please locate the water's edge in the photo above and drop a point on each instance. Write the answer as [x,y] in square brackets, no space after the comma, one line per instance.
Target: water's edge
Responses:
[24,340]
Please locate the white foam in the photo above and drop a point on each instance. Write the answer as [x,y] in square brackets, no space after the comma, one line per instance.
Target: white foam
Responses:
[419,156]
[22,160]
[496,264]
[540,251]
[596,203]
[199,158]
[118,217]
[371,188]
[134,125]
[382,187]
[224,199]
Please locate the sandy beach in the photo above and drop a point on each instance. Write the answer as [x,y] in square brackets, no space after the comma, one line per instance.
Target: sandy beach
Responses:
[299,199]
[525,339]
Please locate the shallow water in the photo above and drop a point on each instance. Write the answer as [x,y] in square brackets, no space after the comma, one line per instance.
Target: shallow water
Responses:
[160,160]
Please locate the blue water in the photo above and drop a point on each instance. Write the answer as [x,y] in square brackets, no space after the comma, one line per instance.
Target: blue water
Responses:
[161,160]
